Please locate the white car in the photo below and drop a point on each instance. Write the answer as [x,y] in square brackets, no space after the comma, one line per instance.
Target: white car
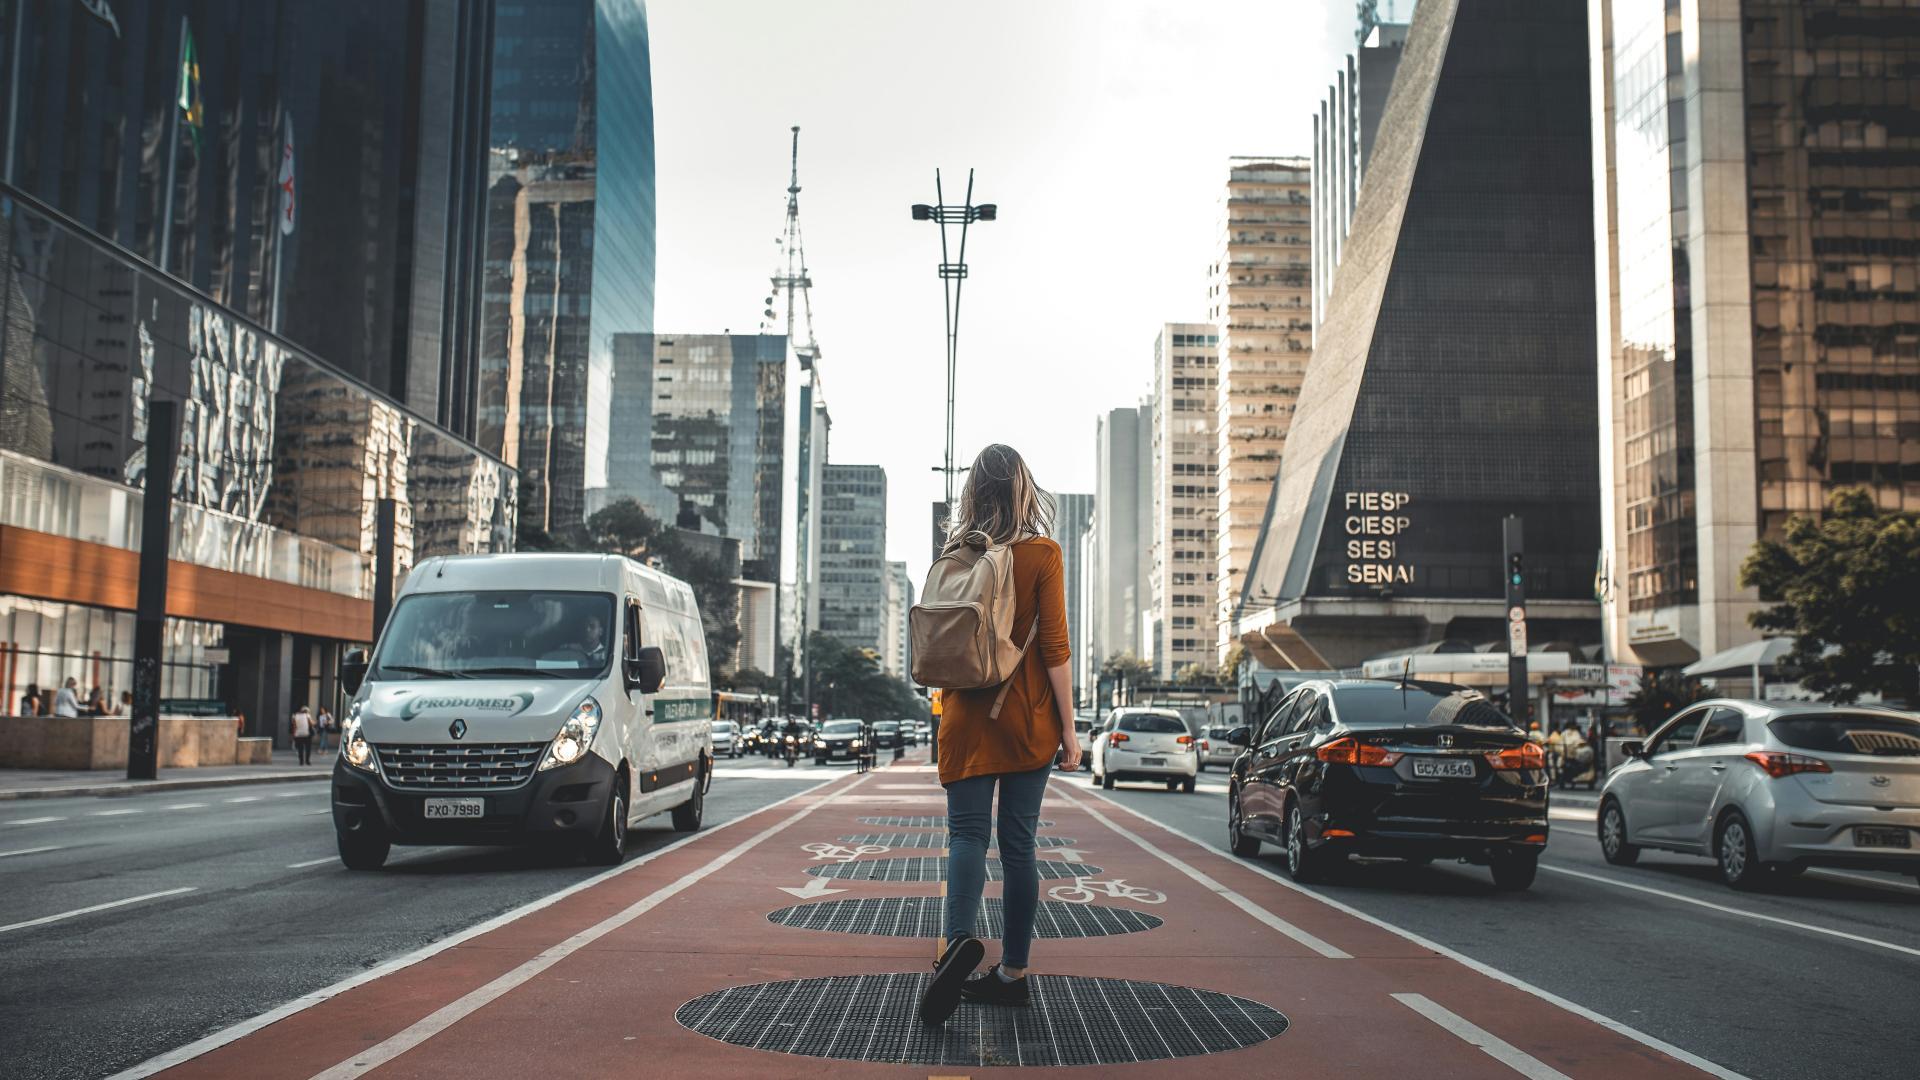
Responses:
[1144,744]
[1215,749]
[726,739]
[1769,789]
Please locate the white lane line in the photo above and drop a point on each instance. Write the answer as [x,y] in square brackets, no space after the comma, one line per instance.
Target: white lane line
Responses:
[426,952]
[1865,879]
[1727,910]
[30,851]
[293,794]
[1495,1047]
[1273,921]
[312,862]
[113,813]
[186,806]
[1491,972]
[247,798]
[323,810]
[474,1000]
[45,919]
[34,820]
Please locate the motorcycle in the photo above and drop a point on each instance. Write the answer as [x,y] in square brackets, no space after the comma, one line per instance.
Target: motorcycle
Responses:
[792,751]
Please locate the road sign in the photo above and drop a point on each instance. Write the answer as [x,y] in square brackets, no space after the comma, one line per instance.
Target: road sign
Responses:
[1517,637]
[1516,613]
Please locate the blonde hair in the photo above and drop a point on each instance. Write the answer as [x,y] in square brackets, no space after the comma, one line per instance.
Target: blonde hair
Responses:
[1000,503]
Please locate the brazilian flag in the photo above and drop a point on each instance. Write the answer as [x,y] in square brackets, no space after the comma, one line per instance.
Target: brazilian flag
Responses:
[193,110]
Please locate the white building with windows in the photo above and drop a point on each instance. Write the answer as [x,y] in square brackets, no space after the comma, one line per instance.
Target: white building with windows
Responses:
[1180,607]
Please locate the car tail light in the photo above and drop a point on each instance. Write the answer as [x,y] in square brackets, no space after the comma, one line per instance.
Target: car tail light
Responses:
[1206,746]
[1351,751]
[1185,740]
[1781,765]
[1117,737]
[1336,832]
[1527,755]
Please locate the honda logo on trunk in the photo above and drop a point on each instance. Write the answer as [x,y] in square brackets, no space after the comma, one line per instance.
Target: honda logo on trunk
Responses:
[1446,742]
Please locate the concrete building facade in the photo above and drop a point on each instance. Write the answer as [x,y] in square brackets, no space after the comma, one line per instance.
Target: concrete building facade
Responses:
[852,588]
[1181,566]
[897,660]
[1343,133]
[1073,517]
[1122,528]
[1260,299]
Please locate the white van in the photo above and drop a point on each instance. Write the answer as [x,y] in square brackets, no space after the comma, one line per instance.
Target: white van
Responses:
[525,697]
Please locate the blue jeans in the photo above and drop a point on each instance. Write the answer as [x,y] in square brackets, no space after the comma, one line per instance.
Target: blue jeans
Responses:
[969,818]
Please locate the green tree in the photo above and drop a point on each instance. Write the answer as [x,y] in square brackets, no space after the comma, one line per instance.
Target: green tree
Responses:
[848,682]
[1126,666]
[1846,586]
[1662,693]
[625,527]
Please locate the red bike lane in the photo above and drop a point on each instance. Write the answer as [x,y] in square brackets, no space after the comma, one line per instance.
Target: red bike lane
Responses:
[807,927]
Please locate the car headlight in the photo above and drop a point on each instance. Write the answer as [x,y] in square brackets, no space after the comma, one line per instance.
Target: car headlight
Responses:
[859,742]
[575,737]
[354,748]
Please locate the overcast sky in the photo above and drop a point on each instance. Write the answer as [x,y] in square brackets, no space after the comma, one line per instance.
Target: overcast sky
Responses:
[1100,127]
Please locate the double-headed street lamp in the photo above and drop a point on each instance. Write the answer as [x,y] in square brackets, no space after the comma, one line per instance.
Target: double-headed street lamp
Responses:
[953,275]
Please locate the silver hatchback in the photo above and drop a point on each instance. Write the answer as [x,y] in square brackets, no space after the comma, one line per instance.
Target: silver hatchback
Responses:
[1771,788]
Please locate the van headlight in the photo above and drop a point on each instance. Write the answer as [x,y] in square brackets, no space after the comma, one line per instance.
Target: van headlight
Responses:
[576,736]
[355,750]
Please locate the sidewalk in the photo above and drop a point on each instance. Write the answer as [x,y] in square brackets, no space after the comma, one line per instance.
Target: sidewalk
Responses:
[59,783]
[794,942]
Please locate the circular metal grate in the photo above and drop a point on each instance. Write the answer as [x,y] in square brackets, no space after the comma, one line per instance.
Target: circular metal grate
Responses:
[922,916]
[938,840]
[1073,1021]
[934,868]
[922,822]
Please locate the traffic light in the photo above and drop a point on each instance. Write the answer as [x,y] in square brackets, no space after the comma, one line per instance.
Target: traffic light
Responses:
[1516,575]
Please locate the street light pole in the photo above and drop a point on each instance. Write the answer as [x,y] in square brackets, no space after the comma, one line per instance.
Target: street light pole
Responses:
[953,276]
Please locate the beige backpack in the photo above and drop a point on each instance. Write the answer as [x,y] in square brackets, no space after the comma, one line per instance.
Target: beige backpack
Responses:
[962,628]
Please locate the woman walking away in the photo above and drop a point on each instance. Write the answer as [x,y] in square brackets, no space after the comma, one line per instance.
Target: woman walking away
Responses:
[1010,742]
[301,728]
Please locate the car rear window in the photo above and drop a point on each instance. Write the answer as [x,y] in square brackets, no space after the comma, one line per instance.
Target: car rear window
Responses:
[1152,724]
[1849,733]
[1418,704]
[841,727]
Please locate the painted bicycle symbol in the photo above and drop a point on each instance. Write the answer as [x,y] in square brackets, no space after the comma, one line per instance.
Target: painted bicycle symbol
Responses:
[1084,890]
[838,853]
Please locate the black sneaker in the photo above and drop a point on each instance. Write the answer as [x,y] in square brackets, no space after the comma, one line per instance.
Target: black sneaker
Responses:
[988,988]
[942,995]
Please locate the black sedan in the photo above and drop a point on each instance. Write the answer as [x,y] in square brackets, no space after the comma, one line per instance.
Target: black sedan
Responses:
[886,735]
[1412,770]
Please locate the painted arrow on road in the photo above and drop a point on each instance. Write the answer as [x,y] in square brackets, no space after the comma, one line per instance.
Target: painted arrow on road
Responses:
[814,888]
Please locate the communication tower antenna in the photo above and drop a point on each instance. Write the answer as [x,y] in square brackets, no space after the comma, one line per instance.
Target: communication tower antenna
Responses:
[795,277]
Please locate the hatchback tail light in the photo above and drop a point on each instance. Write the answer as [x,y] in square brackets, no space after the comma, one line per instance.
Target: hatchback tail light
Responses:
[1351,751]
[1527,755]
[1780,765]
[1117,737]
[1185,740]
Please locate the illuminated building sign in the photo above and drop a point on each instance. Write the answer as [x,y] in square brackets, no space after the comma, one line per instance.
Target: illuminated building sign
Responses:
[1375,523]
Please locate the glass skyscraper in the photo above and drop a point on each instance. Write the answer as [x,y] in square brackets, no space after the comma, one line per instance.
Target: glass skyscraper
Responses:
[570,241]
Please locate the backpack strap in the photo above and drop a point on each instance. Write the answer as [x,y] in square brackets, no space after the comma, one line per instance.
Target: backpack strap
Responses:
[1007,683]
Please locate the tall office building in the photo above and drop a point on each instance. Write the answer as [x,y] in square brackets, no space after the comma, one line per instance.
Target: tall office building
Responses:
[570,241]
[1185,498]
[697,436]
[853,575]
[1073,516]
[1122,531]
[1453,375]
[1756,246]
[897,660]
[158,221]
[1343,133]
[1260,301]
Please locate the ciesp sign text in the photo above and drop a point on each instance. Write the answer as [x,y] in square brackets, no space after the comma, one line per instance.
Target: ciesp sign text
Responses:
[1375,523]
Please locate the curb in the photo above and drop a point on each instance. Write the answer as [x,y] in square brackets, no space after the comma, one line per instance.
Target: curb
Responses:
[140,787]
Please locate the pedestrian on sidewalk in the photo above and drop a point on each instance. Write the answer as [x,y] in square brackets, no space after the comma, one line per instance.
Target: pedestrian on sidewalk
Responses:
[327,726]
[30,701]
[301,728]
[1013,751]
[66,702]
[97,702]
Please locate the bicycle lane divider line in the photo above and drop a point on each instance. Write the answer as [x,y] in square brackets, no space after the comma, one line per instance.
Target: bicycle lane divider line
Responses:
[1513,982]
[1495,1047]
[400,965]
[62,916]
[471,1002]
[1267,918]
[1724,909]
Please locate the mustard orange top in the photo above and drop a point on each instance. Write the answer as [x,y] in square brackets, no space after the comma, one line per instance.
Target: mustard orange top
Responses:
[1026,734]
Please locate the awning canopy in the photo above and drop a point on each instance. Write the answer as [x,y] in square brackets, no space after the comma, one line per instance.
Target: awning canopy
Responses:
[1742,659]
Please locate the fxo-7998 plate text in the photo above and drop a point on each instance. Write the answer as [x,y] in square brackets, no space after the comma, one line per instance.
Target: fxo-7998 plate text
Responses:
[455,808]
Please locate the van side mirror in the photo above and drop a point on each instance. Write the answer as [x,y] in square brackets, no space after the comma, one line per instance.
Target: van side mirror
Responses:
[353,670]
[1239,736]
[647,671]
[1633,748]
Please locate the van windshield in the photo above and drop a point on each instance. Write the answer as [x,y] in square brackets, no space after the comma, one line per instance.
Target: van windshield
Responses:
[504,632]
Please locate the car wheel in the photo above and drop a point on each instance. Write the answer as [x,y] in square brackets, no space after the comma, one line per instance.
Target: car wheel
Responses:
[1514,871]
[609,846]
[362,849]
[1242,844]
[1733,849]
[1613,835]
[1173,785]
[1303,864]
[688,815]
[1187,785]
[1106,781]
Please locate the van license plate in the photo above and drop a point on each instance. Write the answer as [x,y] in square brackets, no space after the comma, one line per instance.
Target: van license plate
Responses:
[1443,768]
[456,808]
[1871,836]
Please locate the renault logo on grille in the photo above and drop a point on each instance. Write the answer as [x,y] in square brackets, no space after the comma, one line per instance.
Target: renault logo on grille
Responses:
[457,729]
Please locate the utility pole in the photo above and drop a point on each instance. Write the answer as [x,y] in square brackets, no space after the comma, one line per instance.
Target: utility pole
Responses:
[953,275]
[1513,539]
[150,604]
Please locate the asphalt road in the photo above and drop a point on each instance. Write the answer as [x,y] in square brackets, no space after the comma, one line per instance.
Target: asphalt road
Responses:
[238,904]
[1817,978]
